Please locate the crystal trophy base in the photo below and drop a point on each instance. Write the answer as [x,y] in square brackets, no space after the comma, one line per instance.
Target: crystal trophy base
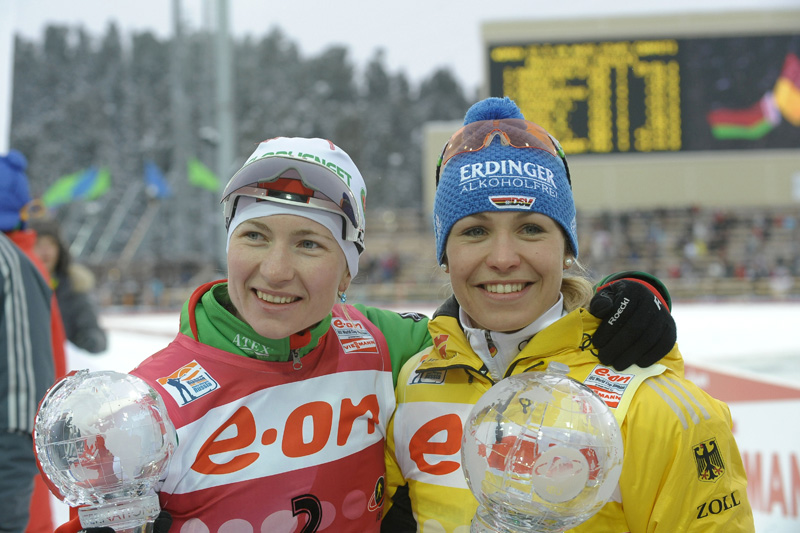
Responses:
[129,516]
[490,522]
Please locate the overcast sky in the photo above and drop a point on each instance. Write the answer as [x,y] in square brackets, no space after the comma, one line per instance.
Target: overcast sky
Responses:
[417,35]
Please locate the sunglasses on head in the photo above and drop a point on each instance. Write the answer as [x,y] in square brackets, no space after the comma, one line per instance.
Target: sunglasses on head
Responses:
[515,132]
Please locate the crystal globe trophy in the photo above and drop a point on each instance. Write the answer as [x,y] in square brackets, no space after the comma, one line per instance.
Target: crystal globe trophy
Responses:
[541,453]
[103,440]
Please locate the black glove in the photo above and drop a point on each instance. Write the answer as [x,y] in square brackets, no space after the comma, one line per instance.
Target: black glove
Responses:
[637,326]
[161,525]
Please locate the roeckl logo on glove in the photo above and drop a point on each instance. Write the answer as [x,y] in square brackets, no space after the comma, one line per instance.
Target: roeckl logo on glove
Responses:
[657,302]
[622,307]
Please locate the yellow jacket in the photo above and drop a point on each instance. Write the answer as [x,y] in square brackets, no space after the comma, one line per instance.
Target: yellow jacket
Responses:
[673,480]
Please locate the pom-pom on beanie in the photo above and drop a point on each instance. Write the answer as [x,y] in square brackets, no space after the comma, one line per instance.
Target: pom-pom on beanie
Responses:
[500,177]
[14,190]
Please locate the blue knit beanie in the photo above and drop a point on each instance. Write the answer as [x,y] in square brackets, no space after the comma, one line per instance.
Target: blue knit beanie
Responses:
[502,178]
[14,190]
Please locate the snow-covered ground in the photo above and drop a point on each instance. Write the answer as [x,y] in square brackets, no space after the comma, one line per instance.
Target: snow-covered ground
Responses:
[755,340]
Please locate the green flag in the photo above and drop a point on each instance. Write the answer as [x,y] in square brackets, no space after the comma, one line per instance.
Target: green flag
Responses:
[60,192]
[200,176]
[99,185]
[88,184]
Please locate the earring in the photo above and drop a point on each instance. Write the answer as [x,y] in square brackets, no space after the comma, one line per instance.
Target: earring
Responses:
[568,262]
[342,297]
[443,266]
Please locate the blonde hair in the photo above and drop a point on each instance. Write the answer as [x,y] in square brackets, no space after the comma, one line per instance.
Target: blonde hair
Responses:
[577,289]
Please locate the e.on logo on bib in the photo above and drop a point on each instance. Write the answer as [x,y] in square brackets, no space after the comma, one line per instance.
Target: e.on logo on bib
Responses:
[608,384]
[188,383]
[355,338]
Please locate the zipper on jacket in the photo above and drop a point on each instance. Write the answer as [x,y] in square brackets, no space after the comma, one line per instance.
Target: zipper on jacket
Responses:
[473,373]
[296,363]
[490,343]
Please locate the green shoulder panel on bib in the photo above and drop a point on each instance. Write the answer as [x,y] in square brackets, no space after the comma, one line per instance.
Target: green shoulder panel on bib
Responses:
[406,333]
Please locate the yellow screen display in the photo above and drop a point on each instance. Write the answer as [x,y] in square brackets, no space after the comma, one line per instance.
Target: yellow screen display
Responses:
[659,95]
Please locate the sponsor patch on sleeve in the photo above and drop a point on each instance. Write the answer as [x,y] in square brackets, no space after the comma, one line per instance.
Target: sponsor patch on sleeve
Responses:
[609,384]
[354,337]
[188,383]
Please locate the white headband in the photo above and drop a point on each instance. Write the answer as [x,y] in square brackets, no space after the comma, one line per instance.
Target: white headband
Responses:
[250,208]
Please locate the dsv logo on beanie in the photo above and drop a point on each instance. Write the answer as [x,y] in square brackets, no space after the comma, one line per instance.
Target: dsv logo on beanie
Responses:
[512,201]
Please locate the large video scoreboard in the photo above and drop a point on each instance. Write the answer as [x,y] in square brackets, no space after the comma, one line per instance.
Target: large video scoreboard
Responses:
[656,94]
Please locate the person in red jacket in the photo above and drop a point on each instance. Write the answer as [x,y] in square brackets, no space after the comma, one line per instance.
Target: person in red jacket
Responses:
[14,200]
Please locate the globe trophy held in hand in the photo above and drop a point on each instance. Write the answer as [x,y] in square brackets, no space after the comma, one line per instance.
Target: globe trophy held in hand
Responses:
[541,453]
[103,440]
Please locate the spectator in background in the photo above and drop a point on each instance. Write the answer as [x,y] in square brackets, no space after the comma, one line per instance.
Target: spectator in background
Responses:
[31,354]
[781,280]
[73,284]
[390,267]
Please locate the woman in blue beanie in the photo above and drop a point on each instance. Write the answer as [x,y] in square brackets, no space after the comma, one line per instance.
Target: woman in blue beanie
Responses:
[504,220]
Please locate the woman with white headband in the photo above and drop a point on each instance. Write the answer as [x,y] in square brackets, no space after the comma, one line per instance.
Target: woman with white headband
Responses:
[280,391]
